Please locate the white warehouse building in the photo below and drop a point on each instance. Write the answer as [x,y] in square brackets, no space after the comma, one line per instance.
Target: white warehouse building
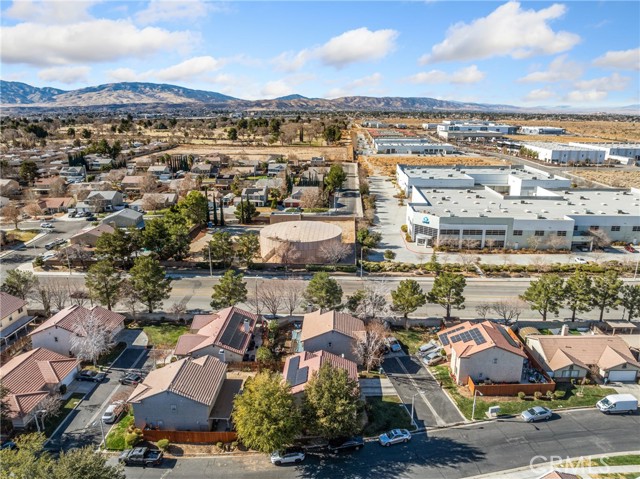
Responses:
[469,130]
[542,130]
[482,217]
[625,153]
[410,146]
[562,153]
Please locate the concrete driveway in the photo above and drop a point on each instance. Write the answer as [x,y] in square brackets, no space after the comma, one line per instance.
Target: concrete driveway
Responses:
[626,388]
[414,383]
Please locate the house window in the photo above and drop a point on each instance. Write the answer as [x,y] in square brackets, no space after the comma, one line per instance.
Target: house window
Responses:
[517,232]
[495,360]
[538,233]
[561,233]
[472,232]
[594,228]
[624,366]
[495,232]
[615,228]
[635,228]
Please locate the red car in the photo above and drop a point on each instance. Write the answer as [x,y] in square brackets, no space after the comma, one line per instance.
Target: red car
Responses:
[629,247]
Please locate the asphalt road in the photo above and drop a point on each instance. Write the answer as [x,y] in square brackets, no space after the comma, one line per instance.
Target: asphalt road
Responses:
[446,453]
[348,198]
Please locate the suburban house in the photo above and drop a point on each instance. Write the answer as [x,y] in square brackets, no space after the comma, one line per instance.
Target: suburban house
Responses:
[96,162]
[161,172]
[294,200]
[132,184]
[13,317]
[187,395]
[566,357]
[43,185]
[226,334]
[9,187]
[55,205]
[300,368]
[105,200]
[257,196]
[126,218]
[56,332]
[332,331]
[274,169]
[154,201]
[75,173]
[483,351]
[316,161]
[224,180]
[31,377]
[89,236]
[206,170]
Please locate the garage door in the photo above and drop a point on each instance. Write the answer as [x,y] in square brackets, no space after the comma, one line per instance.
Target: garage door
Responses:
[622,376]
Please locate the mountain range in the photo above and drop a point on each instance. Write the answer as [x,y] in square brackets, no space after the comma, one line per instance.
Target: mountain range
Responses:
[16,95]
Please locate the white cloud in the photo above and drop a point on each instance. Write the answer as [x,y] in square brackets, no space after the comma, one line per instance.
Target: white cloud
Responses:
[578,96]
[470,74]
[358,45]
[170,10]
[615,82]
[508,31]
[539,94]
[277,88]
[50,12]
[367,84]
[123,74]
[189,69]
[559,70]
[90,41]
[621,59]
[67,75]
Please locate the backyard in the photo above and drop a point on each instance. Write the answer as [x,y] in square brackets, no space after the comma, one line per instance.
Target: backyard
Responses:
[384,413]
[574,396]
[412,338]
[165,335]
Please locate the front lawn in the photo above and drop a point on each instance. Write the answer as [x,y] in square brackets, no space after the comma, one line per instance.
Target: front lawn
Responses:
[165,336]
[22,235]
[52,423]
[384,413]
[115,438]
[412,338]
[513,405]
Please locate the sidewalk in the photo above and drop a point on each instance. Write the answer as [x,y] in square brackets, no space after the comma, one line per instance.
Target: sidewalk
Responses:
[377,387]
[11,250]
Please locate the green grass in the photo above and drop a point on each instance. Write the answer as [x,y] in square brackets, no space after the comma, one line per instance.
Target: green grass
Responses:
[626,460]
[110,356]
[384,413]
[615,475]
[52,423]
[412,338]
[23,235]
[590,395]
[115,438]
[165,336]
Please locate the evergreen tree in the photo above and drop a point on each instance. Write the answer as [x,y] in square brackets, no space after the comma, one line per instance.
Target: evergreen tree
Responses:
[545,295]
[605,291]
[149,282]
[230,291]
[577,293]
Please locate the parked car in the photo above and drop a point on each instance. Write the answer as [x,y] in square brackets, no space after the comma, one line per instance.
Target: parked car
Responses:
[91,375]
[131,378]
[91,218]
[433,358]
[354,443]
[394,436]
[141,456]
[290,455]
[48,255]
[114,412]
[537,413]
[629,247]
[393,344]
[46,225]
[580,260]
[428,347]
[618,404]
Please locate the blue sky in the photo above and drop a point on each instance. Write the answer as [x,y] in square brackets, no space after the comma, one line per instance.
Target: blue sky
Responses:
[520,53]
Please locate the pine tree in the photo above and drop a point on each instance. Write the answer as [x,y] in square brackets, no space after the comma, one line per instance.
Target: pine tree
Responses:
[215,213]
[221,212]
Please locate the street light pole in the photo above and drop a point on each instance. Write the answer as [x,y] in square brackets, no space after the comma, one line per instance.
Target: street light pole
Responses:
[210,263]
[473,410]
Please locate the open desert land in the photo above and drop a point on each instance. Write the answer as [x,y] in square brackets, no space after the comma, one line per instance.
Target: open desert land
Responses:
[615,178]
[599,130]
[388,163]
[557,138]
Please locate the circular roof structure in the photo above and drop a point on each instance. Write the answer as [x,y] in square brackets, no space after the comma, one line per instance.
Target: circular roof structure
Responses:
[301,231]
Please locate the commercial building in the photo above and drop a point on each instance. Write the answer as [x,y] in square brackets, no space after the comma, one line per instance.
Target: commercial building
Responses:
[473,130]
[410,146]
[512,208]
[625,153]
[563,153]
[541,130]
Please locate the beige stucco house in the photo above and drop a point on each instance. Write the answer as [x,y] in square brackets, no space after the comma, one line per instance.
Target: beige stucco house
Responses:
[13,317]
[331,331]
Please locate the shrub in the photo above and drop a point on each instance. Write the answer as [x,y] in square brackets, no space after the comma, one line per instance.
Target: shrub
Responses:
[163,444]
[133,437]
[404,228]
[220,445]
[63,389]
[408,238]
[559,394]
[521,395]
[537,394]
[234,445]
[549,394]
[389,255]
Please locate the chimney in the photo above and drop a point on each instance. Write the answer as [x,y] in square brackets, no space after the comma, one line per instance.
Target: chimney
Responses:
[247,326]
[221,355]
[565,330]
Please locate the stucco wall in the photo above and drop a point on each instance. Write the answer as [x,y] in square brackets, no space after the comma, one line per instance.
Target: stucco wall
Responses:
[495,364]
[170,411]
[333,342]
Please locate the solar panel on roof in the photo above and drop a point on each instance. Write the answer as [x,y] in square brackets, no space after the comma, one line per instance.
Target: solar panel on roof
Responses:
[234,335]
[292,372]
[302,376]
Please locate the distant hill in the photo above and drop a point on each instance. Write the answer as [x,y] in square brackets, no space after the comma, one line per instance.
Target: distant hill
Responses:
[16,93]
[292,97]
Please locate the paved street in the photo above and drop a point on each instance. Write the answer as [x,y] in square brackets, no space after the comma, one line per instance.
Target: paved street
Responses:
[447,453]
[348,201]
[414,384]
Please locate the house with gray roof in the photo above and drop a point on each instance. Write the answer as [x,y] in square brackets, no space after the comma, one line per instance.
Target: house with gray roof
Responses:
[126,218]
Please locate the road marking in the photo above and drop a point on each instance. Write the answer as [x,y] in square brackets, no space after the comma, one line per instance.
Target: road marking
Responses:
[439,420]
[449,397]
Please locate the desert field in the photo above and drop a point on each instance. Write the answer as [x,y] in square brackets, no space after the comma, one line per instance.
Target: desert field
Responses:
[603,130]
[617,179]
[388,163]
[556,138]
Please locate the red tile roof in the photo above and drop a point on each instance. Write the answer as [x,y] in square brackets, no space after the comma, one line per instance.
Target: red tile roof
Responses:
[10,304]
[491,335]
[69,317]
[30,376]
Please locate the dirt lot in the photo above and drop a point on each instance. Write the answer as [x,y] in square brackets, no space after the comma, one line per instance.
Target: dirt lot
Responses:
[618,179]
[601,129]
[388,163]
[556,138]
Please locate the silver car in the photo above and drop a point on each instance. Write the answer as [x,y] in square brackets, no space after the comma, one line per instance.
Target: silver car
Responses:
[289,455]
[537,413]
[394,436]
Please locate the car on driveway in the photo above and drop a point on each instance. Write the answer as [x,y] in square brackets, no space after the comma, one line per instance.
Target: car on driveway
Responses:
[537,413]
[353,443]
[433,358]
[290,455]
[46,225]
[629,247]
[580,260]
[114,412]
[393,344]
[131,378]
[395,436]
[91,375]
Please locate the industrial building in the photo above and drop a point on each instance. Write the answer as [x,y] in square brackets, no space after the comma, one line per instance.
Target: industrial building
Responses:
[410,146]
[542,215]
[563,153]
[541,130]
[625,153]
[299,242]
[473,130]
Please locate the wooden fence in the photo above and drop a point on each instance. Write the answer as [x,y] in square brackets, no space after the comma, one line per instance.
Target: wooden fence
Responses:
[510,389]
[189,437]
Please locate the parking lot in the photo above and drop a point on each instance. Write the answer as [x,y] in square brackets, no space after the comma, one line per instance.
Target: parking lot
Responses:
[413,382]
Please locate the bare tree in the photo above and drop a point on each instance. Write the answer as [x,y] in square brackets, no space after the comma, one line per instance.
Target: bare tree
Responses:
[369,345]
[149,184]
[312,198]
[42,294]
[272,298]
[152,202]
[58,294]
[189,183]
[535,242]
[292,294]
[540,262]
[33,209]
[483,310]
[371,303]
[333,254]
[58,187]
[48,407]
[508,309]
[115,176]
[90,338]
[287,253]
[12,214]
[467,260]
[254,297]
[129,297]
[600,238]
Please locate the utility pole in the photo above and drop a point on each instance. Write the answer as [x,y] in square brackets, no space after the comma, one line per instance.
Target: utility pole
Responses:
[210,263]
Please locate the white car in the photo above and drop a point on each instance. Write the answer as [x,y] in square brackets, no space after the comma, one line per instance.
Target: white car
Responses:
[113,412]
[580,260]
[290,455]
[46,225]
[395,436]
[536,413]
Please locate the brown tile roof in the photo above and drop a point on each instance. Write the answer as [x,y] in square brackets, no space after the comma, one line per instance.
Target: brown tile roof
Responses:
[299,368]
[318,323]
[559,475]
[195,379]
[31,375]
[55,202]
[462,339]
[10,304]
[604,351]
[69,317]
[223,329]
[562,359]
[95,230]
[132,180]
